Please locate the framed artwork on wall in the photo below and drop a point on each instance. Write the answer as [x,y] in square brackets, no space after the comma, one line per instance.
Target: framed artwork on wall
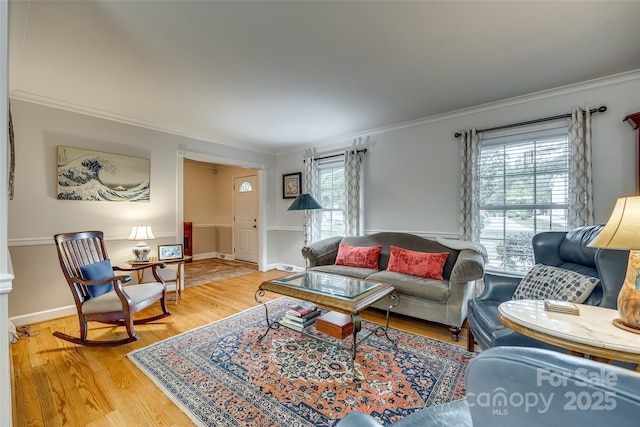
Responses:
[94,175]
[291,185]
[167,252]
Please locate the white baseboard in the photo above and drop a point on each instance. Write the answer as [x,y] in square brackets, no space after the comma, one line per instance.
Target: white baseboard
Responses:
[205,256]
[41,316]
[56,313]
[213,255]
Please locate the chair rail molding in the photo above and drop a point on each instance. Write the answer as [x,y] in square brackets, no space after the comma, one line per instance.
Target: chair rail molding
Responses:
[34,241]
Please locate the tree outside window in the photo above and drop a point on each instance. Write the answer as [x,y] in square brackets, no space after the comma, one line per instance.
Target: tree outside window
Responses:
[523,190]
[331,197]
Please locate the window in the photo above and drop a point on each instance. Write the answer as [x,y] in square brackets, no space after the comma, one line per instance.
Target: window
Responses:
[245,187]
[524,189]
[331,197]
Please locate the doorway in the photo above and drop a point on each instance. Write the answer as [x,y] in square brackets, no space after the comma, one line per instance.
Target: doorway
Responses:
[251,241]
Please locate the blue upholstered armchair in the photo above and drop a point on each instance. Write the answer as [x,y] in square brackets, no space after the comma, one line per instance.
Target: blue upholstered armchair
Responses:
[567,250]
[531,387]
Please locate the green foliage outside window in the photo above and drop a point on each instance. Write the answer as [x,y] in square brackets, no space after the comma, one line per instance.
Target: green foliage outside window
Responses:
[331,188]
[523,190]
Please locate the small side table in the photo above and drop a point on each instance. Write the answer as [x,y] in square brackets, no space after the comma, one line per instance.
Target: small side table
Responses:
[177,284]
[591,333]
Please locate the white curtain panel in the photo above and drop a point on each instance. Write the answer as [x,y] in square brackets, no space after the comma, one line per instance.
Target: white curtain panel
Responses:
[312,217]
[470,191]
[352,162]
[580,176]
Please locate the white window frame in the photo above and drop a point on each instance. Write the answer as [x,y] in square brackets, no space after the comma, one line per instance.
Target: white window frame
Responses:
[327,209]
[508,252]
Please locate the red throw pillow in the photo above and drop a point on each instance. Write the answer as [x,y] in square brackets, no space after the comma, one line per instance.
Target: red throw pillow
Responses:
[357,256]
[423,264]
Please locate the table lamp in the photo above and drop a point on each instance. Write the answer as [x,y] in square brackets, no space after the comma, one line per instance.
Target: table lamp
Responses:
[622,231]
[141,250]
[304,202]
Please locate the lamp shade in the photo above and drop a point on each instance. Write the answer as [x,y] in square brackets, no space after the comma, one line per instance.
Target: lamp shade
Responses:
[622,231]
[141,232]
[303,202]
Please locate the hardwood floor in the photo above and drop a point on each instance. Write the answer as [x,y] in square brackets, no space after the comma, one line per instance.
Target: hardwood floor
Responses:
[57,383]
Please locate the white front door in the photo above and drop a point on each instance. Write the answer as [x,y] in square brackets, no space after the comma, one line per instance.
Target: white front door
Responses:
[245,218]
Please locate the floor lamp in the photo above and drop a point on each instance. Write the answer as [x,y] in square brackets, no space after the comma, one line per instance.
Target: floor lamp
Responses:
[304,202]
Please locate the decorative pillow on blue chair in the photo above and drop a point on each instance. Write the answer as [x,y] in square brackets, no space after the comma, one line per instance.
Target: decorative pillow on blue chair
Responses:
[98,271]
[546,282]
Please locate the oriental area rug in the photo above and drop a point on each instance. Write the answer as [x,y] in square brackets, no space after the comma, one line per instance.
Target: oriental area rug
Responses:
[209,270]
[220,375]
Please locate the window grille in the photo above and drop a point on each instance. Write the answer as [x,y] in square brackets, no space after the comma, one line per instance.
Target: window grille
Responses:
[331,197]
[245,187]
[524,189]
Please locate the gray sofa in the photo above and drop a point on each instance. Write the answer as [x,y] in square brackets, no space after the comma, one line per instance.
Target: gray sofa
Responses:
[531,387]
[440,301]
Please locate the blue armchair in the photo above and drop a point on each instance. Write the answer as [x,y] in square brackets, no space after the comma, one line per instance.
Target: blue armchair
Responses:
[520,386]
[567,250]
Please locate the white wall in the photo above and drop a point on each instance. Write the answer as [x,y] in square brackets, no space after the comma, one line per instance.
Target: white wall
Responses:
[411,178]
[412,171]
[35,214]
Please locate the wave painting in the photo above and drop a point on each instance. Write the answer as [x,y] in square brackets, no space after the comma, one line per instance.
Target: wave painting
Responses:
[92,175]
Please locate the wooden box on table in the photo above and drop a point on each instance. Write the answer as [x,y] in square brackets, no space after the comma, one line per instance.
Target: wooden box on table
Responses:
[338,325]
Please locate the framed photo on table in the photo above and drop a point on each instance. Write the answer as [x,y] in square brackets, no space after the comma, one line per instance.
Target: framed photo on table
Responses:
[168,252]
[291,185]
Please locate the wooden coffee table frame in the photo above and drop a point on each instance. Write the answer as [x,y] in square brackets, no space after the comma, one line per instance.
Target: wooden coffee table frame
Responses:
[352,306]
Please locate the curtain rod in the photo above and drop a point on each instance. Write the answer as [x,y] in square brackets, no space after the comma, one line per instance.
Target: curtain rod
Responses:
[364,150]
[530,122]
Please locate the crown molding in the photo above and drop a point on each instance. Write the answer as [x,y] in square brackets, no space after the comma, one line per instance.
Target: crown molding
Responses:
[597,83]
[535,96]
[19,95]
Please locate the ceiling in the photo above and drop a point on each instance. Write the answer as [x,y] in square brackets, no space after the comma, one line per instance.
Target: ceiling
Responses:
[273,76]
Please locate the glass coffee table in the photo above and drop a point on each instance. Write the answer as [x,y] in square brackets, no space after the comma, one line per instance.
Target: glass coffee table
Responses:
[332,292]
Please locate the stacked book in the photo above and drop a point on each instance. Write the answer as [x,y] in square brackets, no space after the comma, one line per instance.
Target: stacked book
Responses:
[561,307]
[300,316]
[338,325]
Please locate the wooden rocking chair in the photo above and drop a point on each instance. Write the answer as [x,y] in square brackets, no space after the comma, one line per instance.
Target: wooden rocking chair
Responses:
[98,292]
